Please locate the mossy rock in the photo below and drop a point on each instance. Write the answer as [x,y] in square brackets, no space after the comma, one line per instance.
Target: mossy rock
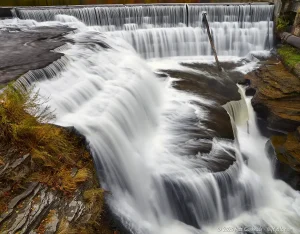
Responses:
[290,56]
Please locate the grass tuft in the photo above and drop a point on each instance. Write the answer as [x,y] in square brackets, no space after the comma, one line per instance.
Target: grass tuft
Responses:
[59,159]
[55,151]
[290,55]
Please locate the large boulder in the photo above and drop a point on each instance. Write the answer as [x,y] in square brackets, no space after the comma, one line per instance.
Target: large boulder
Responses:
[277,100]
[277,97]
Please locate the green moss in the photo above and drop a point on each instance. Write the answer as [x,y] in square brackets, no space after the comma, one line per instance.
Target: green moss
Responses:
[289,55]
[281,23]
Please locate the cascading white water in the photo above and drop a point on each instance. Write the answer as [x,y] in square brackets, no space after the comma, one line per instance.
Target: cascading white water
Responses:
[230,13]
[157,15]
[140,130]
[229,39]
[160,31]
[116,15]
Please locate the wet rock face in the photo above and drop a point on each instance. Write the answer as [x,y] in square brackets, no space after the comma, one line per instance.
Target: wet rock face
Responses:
[208,82]
[283,170]
[21,51]
[287,148]
[211,84]
[277,100]
[277,96]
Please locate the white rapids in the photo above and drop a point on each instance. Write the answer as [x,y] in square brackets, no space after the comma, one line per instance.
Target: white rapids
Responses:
[135,124]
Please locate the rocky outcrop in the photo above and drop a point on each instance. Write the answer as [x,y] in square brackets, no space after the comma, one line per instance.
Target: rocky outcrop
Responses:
[277,100]
[48,183]
[29,206]
[288,148]
[277,97]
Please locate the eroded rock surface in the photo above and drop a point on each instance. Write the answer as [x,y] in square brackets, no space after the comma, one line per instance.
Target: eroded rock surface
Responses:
[21,51]
[218,88]
[34,207]
[277,100]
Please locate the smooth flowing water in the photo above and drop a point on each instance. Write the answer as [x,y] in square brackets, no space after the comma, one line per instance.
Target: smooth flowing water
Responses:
[142,130]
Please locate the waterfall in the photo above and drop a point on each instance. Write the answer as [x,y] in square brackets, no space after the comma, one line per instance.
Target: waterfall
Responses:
[117,15]
[238,110]
[229,39]
[242,14]
[137,128]
[157,15]
[161,31]
[143,133]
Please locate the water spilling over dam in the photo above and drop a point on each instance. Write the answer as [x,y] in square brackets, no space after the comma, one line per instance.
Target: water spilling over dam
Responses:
[155,143]
[164,31]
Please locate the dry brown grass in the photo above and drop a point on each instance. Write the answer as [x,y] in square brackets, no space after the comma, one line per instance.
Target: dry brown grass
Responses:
[54,150]
[59,159]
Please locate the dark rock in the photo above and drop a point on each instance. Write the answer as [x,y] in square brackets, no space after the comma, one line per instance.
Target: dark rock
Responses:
[29,205]
[298,133]
[250,91]
[5,12]
[260,108]
[244,82]
[161,74]
[282,170]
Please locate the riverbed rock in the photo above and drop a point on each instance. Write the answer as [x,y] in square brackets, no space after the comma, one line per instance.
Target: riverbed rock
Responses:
[213,86]
[29,49]
[218,88]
